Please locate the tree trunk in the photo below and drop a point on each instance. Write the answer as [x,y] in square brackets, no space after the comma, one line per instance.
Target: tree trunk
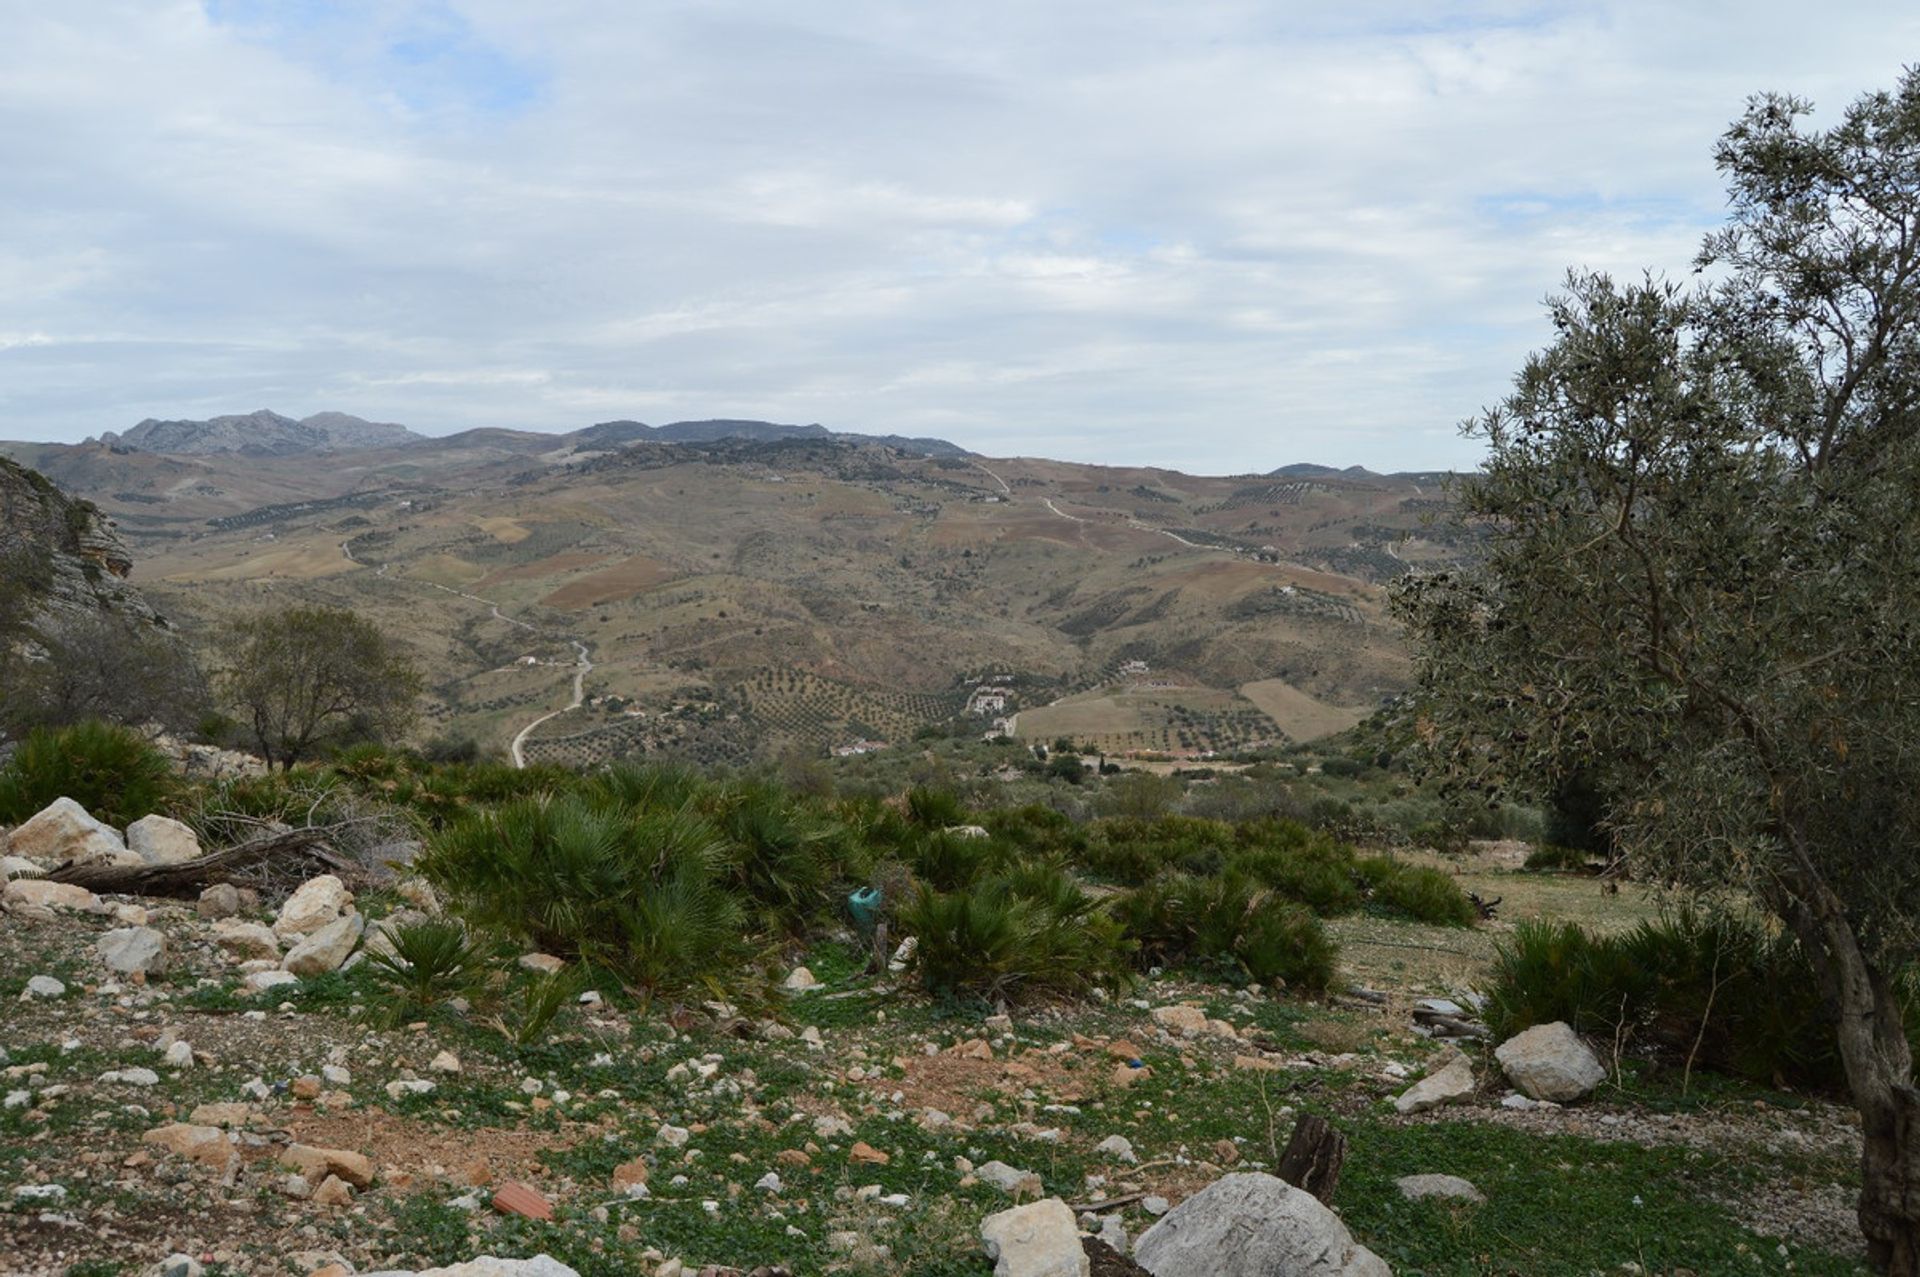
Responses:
[1878,1060]
[1314,1157]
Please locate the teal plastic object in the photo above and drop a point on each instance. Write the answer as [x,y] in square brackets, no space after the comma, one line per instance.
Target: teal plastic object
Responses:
[864,905]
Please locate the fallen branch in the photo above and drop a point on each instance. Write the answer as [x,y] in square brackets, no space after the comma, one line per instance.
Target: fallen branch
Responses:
[276,860]
[1108,1204]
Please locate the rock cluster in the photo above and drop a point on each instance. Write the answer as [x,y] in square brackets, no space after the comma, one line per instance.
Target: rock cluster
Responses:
[64,831]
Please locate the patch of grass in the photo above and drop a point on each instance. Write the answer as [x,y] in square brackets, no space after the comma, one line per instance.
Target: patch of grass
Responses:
[1648,1206]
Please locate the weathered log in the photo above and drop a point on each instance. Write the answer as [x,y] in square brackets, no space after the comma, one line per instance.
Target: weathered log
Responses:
[1445,1025]
[1314,1157]
[274,860]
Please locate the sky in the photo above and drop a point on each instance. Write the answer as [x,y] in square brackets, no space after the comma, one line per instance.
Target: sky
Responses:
[1217,235]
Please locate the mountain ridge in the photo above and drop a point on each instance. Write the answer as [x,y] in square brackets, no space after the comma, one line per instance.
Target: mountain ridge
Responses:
[261,433]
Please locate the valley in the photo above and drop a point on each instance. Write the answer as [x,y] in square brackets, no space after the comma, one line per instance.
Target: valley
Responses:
[725,591]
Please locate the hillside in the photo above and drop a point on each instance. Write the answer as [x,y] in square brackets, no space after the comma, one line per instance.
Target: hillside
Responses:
[751,593]
[60,558]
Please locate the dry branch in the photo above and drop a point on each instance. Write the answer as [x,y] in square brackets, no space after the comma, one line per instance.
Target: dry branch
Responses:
[272,862]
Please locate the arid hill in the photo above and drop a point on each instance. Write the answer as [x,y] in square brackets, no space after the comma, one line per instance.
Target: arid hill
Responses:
[744,592]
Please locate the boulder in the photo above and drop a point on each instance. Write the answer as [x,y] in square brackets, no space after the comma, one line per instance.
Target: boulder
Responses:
[133,950]
[221,900]
[63,831]
[488,1266]
[243,941]
[1009,1179]
[1550,1062]
[799,980]
[326,948]
[318,1163]
[161,841]
[317,902]
[207,1145]
[1039,1239]
[261,981]
[1452,1081]
[43,986]
[1444,1187]
[18,866]
[51,895]
[1254,1225]
[1185,1020]
[333,1191]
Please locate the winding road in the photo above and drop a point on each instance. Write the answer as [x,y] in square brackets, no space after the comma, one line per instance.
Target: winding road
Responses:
[581,669]
[582,666]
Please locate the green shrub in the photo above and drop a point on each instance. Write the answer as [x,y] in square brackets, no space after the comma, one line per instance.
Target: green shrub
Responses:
[948,862]
[425,964]
[789,860]
[1554,858]
[531,1011]
[1447,837]
[1721,989]
[1133,852]
[1227,921]
[1029,933]
[1417,892]
[1287,944]
[641,894]
[935,808]
[113,772]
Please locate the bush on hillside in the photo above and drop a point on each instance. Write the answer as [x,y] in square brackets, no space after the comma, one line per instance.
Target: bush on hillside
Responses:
[1028,933]
[789,859]
[1227,921]
[640,894]
[1133,852]
[111,771]
[1555,858]
[1417,892]
[425,963]
[1737,997]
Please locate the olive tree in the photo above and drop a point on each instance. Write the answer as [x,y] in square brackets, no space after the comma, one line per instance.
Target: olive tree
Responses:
[309,676]
[1699,581]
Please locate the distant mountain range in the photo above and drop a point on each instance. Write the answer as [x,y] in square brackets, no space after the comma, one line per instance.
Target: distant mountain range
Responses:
[618,434]
[268,434]
[261,434]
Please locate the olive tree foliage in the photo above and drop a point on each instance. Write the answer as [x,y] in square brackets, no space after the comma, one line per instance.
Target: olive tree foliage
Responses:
[107,667]
[309,677]
[1700,518]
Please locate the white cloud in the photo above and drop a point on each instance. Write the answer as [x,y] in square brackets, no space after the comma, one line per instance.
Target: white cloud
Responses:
[1221,235]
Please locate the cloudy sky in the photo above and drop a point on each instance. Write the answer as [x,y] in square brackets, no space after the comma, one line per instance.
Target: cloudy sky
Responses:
[1220,235]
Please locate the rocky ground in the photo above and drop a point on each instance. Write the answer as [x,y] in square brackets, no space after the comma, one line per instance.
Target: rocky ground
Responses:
[172,1089]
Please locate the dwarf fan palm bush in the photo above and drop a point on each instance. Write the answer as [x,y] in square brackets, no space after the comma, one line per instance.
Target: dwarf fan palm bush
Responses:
[112,772]
[642,895]
[425,963]
[1029,933]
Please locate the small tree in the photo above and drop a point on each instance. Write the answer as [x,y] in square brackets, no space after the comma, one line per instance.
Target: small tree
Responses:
[316,675]
[108,667]
[1700,576]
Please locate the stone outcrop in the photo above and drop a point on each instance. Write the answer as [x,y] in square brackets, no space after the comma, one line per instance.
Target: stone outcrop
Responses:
[67,553]
[326,948]
[317,902]
[159,840]
[1036,1240]
[1254,1225]
[1550,1062]
[1446,1084]
[62,831]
